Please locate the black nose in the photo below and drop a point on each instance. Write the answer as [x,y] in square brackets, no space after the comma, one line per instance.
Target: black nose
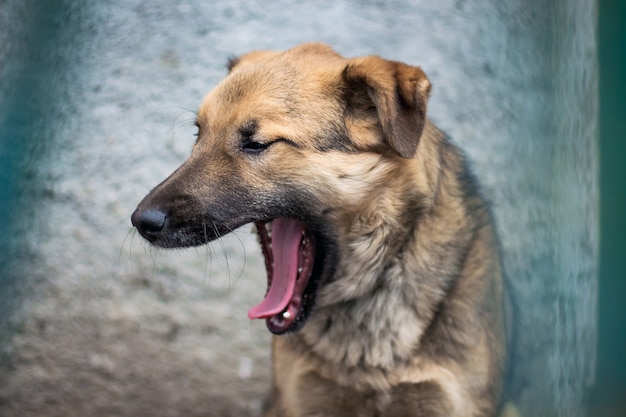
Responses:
[149,223]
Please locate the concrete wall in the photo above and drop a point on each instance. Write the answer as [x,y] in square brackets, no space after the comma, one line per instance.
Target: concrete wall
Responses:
[96,104]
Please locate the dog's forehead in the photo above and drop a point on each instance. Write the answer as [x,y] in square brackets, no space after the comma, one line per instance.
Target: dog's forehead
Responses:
[244,96]
[278,84]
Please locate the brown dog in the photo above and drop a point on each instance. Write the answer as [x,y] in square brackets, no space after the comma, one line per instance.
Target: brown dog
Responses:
[384,281]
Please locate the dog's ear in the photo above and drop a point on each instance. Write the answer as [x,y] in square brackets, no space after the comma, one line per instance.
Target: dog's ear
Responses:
[235,62]
[400,94]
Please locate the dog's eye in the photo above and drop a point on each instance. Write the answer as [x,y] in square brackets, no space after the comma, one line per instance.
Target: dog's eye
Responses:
[252,147]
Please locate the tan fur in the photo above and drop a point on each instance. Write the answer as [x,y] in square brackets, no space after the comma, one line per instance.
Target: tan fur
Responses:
[408,322]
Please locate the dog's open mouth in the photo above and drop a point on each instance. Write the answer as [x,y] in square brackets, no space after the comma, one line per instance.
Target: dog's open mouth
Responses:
[289,249]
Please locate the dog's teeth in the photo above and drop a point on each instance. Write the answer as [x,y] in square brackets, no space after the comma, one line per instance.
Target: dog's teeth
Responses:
[286,315]
[299,270]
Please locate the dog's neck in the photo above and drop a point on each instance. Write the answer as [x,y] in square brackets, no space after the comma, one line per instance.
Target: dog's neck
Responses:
[391,280]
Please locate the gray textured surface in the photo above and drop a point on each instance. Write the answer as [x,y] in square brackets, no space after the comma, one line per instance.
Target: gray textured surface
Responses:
[107,325]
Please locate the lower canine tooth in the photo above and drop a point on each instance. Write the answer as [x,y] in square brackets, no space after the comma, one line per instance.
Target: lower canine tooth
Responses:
[286,315]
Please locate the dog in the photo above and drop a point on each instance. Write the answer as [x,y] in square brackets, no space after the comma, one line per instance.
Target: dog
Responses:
[385,289]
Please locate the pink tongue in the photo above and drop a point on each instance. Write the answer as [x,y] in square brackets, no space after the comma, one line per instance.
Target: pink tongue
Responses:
[286,237]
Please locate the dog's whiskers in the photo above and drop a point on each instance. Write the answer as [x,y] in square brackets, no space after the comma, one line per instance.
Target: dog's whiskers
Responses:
[223,247]
[152,251]
[179,124]
[186,122]
[131,232]
[208,269]
[245,255]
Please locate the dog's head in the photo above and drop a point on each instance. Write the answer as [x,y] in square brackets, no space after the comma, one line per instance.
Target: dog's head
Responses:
[296,142]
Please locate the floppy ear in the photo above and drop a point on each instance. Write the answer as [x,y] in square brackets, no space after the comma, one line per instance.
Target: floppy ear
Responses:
[399,93]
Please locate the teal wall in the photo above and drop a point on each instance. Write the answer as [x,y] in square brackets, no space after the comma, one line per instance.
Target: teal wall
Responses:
[25,97]
[609,394]
[34,78]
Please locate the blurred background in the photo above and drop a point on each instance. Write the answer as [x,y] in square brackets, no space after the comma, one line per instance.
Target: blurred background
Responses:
[97,102]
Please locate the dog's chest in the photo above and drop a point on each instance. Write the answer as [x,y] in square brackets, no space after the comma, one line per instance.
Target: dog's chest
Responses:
[317,396]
